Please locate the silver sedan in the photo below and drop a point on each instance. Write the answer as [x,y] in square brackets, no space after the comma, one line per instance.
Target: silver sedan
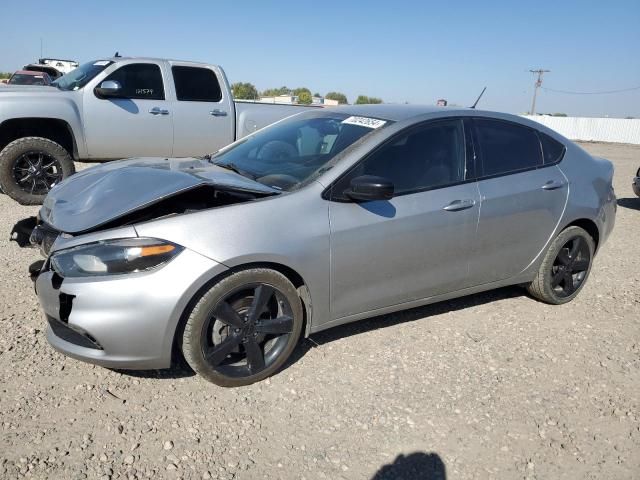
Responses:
[328,217]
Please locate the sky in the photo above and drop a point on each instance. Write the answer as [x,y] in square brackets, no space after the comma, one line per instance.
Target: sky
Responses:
[401,50]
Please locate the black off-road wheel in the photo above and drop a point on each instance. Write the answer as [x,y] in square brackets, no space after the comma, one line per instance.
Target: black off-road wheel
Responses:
[565,268]
[244,328]
[31,166]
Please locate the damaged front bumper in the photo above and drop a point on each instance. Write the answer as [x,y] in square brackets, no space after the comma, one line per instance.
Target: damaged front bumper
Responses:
[30,232]
[125,321]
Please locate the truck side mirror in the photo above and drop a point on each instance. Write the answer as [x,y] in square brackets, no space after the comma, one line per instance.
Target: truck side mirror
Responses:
[108,89]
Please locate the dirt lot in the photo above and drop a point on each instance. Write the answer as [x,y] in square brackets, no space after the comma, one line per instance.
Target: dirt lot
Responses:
[494,385]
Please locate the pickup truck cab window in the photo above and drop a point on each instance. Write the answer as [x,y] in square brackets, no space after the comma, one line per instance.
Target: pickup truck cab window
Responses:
[424,158]
[194,84]
[142,81]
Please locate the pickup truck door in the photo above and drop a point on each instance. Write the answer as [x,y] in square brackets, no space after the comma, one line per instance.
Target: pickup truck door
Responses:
[137,123]
[203,113]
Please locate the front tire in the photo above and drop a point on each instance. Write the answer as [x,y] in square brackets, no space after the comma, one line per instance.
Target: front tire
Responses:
[244,328]
[565,267]
[31,166]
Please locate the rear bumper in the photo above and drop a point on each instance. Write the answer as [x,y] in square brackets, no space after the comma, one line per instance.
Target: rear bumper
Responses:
[126,321]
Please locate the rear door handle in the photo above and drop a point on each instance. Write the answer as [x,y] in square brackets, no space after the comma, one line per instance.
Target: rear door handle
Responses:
[158,111]
[553,185]
[458,205]
[218,113]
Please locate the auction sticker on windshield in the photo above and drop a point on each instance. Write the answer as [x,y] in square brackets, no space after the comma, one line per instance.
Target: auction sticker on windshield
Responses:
[364,122]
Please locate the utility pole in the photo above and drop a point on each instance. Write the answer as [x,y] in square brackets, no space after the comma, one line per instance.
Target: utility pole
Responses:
[537,85]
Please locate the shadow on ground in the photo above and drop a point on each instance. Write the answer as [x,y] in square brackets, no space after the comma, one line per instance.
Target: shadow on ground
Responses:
[415,466]
[181,369]
[404,316]
[631,203]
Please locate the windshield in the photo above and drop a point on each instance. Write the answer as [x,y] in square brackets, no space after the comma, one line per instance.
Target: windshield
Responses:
[82,75]
[291,153]
[24,79]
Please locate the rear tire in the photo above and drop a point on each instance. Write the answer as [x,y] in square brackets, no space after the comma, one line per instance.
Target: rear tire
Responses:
[31,166]
[565,267]
[244,328]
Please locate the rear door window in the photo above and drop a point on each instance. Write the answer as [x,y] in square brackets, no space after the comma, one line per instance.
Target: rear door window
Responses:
[506,147]
[195,84]
[142,81]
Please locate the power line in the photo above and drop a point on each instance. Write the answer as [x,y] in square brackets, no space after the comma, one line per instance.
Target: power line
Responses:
[592,93]
[537,85]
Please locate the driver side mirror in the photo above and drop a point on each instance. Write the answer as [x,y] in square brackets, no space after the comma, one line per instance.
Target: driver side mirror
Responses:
[108,89]
[370,187]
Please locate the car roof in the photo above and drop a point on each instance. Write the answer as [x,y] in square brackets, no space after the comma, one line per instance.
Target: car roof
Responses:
[400,112]
[152,59]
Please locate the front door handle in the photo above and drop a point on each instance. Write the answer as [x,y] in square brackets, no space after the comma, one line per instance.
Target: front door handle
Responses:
[218,113]
[159,111]
[553,185]
[458,205]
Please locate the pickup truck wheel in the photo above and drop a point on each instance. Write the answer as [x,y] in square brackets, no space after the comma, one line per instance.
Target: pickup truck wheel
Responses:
[31,166]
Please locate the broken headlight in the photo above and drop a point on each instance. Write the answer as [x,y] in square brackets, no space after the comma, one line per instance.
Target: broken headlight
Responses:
[113,257]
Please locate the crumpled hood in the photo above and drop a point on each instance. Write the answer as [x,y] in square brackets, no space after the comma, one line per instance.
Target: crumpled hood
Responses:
[103,193]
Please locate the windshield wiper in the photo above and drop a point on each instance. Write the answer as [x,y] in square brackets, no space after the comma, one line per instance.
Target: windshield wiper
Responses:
[234,168]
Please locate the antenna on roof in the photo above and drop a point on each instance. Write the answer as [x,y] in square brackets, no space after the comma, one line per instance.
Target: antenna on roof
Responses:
[117,55]
[479,97]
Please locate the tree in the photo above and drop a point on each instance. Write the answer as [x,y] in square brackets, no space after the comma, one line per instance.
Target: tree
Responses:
[317,94]
[5,75]
[244,91]
[559,114]
[275,92]
[363,99]
[340,97]
[304,95]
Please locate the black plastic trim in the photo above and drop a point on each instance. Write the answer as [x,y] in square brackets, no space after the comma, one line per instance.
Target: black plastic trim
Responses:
[72,335]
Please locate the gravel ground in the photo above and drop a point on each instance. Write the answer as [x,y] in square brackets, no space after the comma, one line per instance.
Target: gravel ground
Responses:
[495,385]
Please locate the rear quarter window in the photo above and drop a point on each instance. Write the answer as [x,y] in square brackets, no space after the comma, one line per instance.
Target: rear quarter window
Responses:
[195,84]
[552,150]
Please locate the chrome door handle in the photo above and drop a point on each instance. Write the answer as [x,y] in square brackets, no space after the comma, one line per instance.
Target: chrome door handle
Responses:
[553,185]
[218,113]
[458,205]
[158,111]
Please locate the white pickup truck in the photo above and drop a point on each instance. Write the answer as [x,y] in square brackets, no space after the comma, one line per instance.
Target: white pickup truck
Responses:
[118,108]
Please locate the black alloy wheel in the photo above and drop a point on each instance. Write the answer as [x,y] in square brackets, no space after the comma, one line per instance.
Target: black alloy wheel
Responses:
[565,267]
[243,328]
[36,172]
[247,331]
[31,166]
[570,267]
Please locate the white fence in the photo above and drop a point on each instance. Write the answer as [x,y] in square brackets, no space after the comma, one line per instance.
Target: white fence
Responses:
[615,130]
